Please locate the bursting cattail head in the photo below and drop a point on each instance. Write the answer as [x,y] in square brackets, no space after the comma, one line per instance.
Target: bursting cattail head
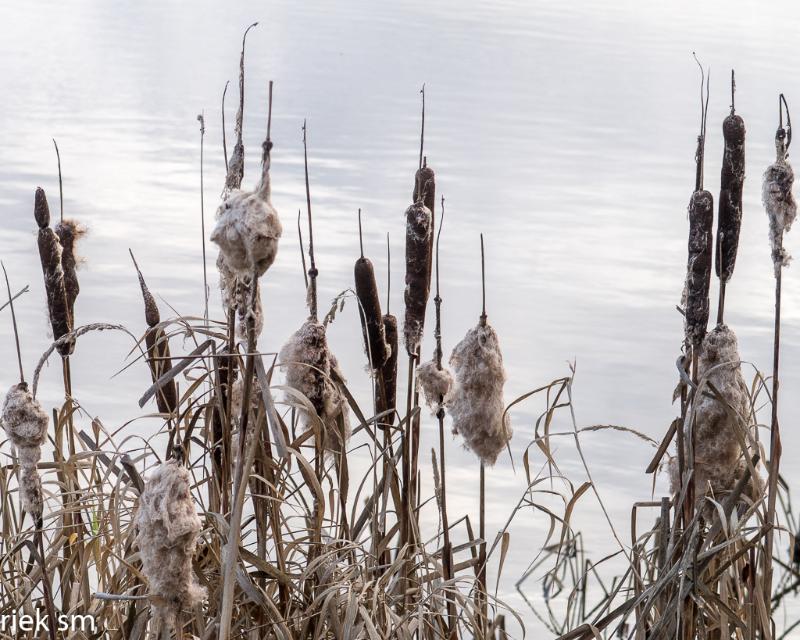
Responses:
[476,403]
[247,233]
[419,258]
[698,271]
[436,383]
[25,424]
[370,312]
[50,254]
[718,461]
[730,196]
[69,232]
[779,201]
[310,367]
[167,528]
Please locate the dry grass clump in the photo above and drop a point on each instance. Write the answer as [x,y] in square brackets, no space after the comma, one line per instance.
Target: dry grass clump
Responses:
[476,403]
[310,367]
[167,527]
[25,424]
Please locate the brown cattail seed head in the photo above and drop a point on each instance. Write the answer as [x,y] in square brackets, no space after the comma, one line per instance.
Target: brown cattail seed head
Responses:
[41,210]
[779,202]
[25,424]
[370,312]
[476,402]
[730,196]
[698,272]
[718,460]
[69,232]
[387,394]
[310,367]
[425,190]
[419,258]
[167,529]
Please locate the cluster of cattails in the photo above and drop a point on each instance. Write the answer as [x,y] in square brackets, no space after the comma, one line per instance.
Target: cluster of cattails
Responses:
[719,420]
[25,424]
[312,370]
[167,527]
[51,253]
[158,353]
[476,402]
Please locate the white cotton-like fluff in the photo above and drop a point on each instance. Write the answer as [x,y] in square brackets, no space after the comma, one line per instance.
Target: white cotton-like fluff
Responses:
[718,459]
[476,403]
[25,423]
[248,229]
[167,529]
[309,365]
[235,292]
[780,204]
[436,383]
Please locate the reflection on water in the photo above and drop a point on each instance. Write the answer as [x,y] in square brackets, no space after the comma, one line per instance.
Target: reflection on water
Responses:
[565,133]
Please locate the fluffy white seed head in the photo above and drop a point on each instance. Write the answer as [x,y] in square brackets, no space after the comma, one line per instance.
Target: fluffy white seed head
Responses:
[436,383]
[309,367]
[476,403]
[779,203]
[718,459]
[25,424]
[167,529]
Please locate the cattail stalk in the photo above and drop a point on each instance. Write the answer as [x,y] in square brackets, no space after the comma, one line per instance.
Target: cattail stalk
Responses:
[782,210]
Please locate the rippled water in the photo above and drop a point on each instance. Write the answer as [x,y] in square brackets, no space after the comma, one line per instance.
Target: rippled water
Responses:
[565,132]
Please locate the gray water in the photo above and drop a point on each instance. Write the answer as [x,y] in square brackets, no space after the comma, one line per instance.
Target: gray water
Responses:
[565,132]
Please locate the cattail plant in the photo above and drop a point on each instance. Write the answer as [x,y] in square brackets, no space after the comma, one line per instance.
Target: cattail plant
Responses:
[247,232]
[235,166]
[701,242]
[370,309]
[158,354]
[781,209]
[309,364]
[476,404]
[730,198]
[419,248]
[167,527]
[50,251]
